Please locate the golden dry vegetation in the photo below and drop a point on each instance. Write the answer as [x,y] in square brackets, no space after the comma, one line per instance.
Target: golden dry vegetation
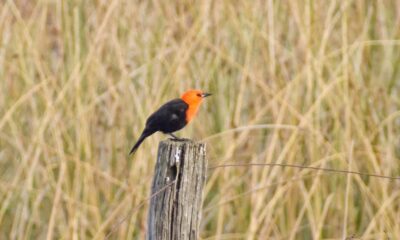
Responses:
[313,83]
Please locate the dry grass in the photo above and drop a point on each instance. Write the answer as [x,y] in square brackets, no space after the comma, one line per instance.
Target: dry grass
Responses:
[302,82]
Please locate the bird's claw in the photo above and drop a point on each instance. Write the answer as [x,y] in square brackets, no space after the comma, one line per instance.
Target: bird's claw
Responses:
[179,139]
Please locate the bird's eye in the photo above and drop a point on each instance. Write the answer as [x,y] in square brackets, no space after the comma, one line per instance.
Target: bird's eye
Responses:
[199,95]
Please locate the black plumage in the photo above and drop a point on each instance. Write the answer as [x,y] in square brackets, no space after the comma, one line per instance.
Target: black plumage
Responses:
[169,118]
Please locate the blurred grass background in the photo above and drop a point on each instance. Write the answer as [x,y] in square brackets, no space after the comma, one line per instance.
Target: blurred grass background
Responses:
[298,82]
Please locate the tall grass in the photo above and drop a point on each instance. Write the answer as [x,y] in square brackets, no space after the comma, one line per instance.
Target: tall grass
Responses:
[312,83]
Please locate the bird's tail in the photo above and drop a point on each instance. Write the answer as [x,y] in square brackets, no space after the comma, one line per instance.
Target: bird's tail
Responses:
[142,137]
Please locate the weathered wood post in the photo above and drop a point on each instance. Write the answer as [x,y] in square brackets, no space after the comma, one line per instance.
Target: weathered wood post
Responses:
[175,210]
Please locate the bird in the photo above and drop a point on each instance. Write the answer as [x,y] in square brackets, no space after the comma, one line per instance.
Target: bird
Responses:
[172,116]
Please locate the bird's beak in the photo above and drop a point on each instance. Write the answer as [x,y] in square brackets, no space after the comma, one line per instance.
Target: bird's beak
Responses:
[203,95]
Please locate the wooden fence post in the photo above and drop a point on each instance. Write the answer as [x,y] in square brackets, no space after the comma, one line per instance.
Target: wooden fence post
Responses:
[179,176]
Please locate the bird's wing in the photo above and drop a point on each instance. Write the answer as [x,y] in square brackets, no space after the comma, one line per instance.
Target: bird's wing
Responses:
[172,111]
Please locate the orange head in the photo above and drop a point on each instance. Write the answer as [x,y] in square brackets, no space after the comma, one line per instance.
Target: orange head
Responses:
[193,98]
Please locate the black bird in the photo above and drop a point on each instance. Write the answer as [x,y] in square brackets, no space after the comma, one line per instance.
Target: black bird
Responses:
[172,116]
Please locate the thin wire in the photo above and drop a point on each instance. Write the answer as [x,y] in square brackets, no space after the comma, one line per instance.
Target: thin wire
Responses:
[303,167]
[129,214]
[116,225]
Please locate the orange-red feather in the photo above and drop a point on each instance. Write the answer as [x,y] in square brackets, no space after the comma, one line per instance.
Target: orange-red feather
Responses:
[193,99]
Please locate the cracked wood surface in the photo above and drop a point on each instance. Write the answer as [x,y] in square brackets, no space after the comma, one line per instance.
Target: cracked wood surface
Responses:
[174,212]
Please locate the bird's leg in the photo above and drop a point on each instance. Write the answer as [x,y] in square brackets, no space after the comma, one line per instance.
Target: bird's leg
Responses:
[176,138]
